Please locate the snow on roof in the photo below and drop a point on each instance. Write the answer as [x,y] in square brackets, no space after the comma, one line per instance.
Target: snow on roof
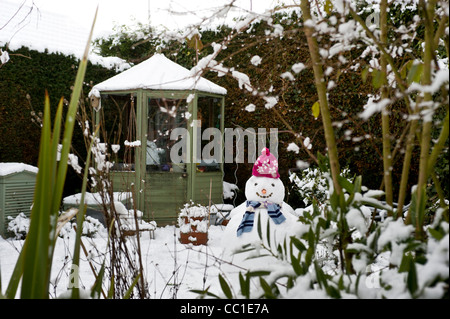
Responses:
[159,73]
[24,24]
[11,168]
[95,198]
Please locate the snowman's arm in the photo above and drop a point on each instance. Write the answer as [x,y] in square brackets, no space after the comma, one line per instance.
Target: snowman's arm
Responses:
[286,208]
[238,210]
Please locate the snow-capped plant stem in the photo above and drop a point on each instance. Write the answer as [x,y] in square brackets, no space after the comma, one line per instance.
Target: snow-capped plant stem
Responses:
[440,144]
[437,149]
[340,207]
[386,136]
[383,52]
[428,11]
[386,59]
[321,87]
[406,165]
[80,220]
[138,240]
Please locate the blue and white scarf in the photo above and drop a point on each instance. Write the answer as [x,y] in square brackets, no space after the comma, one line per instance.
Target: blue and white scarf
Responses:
[247,221]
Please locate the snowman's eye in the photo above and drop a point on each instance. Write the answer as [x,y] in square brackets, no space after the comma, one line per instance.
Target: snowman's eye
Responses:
[273,185]
[256,184]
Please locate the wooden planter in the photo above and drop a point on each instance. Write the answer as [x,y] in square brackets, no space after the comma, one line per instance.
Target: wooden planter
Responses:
[193,236]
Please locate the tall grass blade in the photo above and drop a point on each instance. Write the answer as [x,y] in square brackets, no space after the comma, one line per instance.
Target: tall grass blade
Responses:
[70,122]
[37,243]
[225,287]
[80,220]
[33,266]
[130,290]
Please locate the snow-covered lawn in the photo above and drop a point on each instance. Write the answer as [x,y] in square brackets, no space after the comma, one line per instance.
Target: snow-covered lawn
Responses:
[172,269]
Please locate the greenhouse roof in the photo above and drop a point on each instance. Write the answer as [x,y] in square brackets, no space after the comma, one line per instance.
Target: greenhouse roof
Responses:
[159,73]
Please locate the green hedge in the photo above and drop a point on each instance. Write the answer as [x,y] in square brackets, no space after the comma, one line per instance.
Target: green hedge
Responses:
[23,81]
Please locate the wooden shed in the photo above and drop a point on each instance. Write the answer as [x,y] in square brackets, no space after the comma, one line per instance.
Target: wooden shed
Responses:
[17,181]
[139,110]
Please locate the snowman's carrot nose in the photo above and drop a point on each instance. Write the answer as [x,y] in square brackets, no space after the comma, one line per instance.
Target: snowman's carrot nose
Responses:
[263,191]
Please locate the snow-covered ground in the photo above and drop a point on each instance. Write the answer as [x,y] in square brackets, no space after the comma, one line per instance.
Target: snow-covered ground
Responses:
[172,269]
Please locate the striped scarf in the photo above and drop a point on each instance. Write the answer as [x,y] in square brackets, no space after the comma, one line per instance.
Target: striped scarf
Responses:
[247,221]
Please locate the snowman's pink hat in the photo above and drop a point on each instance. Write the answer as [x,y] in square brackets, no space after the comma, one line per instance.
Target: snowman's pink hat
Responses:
[266,165]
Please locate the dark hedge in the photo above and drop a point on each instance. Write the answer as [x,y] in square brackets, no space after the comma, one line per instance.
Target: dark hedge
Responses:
[23,82]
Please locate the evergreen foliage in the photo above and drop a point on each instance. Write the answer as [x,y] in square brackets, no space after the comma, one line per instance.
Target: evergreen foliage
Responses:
[23,81]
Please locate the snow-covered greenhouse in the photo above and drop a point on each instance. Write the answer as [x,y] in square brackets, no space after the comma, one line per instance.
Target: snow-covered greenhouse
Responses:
[141,111]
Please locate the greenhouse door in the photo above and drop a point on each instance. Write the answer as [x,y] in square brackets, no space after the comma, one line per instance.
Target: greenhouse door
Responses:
[166,181]
[207,185]
[117,120]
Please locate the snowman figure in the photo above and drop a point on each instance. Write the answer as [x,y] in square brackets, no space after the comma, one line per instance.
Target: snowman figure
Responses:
[265,205]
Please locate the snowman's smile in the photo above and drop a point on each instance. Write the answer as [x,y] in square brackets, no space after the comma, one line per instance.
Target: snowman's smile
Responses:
[264,196]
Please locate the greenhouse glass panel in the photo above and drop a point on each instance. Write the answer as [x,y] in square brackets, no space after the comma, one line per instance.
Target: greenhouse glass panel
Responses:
[164,115]
[209,113]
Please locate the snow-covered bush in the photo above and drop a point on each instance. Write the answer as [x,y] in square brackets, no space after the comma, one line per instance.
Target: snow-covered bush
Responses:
[341,252]
[91,228]
[129,218]
[18,226]
[311,184]
[399,55]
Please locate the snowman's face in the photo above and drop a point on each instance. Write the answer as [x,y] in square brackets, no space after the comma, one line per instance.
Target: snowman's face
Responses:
[262,189]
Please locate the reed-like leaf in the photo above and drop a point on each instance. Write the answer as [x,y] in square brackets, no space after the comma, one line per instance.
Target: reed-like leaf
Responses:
[70,122]
[33,266]
[80,219]
[225,287]
[130,290]
[96,288]
[37,243]
[111,288]
[245,285]
[33,263]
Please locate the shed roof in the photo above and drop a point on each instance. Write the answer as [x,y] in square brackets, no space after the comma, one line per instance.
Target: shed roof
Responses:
[158,73]
[14,168]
